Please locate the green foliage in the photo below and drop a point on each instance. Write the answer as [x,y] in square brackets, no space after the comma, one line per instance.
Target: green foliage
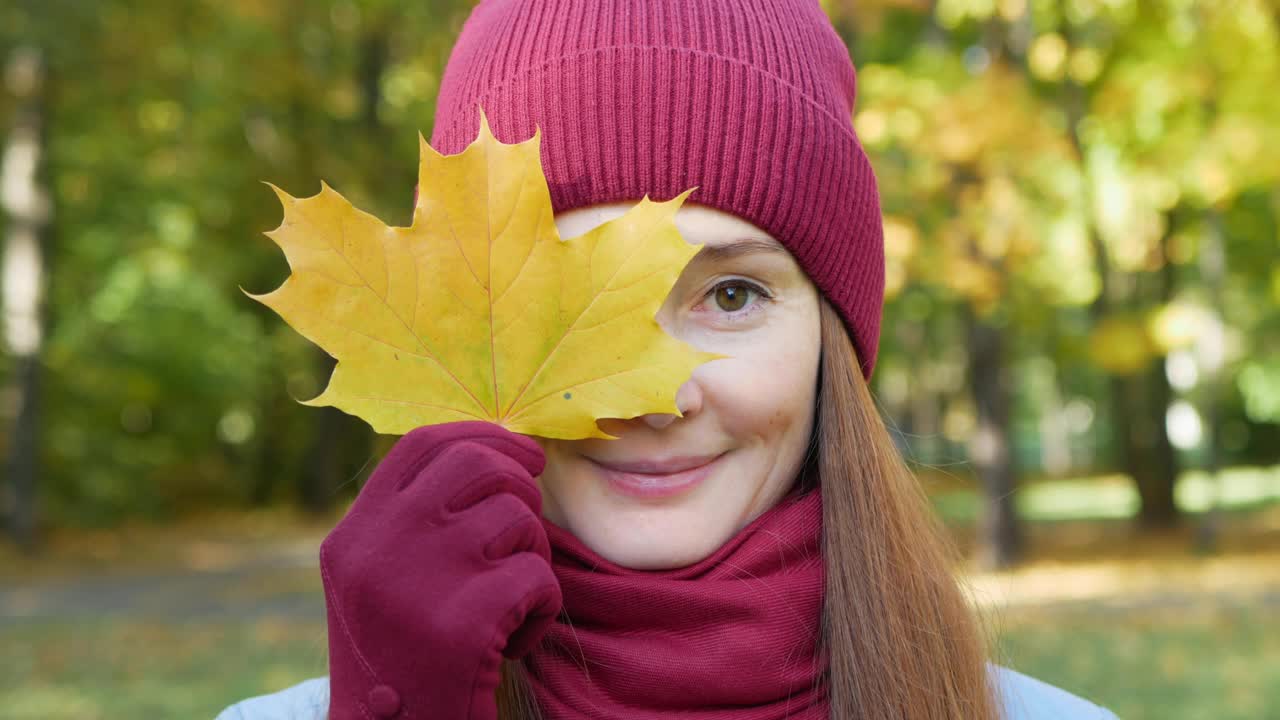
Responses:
[1059,168]
[1035,157]
[165,388]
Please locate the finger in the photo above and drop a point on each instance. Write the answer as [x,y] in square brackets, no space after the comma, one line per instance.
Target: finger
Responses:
[490,518]
[412,452]
[520,448]
[521,589]
[467,472]
[530,600]
[540,602]
[421,444]
[523,533]
[463,463]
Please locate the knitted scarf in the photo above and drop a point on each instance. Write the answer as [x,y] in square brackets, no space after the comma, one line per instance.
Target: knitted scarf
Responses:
[732,637]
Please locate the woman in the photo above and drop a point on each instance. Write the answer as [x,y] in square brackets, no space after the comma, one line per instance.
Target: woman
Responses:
[764,554]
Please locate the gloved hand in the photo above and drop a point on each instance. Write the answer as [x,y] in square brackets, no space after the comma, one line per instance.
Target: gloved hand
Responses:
[441,567]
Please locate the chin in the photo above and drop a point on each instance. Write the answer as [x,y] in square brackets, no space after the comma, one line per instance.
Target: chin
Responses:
[645,537]
[667,555]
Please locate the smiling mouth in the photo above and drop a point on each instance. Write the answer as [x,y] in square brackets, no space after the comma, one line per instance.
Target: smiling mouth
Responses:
[651,479]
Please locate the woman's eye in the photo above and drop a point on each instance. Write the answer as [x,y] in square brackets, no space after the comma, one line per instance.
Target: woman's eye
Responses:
[735,296]
[732,298]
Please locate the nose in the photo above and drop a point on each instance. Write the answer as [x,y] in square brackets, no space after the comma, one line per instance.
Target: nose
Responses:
[688,401]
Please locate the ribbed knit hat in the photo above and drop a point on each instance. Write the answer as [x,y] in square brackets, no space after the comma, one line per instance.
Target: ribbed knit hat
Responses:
[749,100]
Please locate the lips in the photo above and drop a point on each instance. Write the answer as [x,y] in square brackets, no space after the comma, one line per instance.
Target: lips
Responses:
[659,478]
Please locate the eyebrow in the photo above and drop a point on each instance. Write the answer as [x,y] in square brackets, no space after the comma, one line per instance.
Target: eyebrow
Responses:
[747,246]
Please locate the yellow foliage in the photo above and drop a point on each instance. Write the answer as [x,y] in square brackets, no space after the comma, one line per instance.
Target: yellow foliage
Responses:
[478,310]
[1121,345]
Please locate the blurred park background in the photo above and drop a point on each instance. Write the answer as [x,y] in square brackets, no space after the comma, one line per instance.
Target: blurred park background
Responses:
[1081,350]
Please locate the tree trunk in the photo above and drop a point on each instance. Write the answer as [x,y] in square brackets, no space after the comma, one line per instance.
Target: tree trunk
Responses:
[1156,472]
[273,454]
[322,467]
[23,465]
[338,452]
[1139,404]
[1136,404]
[319,481]
[990,450]
[28,208]
[1213,269]
[1158,506]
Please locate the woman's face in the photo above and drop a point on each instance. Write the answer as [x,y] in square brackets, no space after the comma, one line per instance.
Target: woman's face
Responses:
[671,490]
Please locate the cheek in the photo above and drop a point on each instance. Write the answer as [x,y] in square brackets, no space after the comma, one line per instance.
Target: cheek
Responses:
[767,396]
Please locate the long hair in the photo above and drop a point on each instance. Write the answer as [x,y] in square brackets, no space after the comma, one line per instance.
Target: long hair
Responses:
[902,640]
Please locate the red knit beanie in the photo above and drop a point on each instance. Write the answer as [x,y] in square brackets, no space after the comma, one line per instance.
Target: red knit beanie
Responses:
[749,100]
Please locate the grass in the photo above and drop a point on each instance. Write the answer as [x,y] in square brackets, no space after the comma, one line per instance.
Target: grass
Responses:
[1186,664]
[106,669]
[1222,664]
[1136,623]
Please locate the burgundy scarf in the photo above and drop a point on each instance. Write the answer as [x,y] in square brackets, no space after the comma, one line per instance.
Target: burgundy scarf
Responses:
[733,637]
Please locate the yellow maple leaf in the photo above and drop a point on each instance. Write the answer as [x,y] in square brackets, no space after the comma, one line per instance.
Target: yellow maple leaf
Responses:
[479,310]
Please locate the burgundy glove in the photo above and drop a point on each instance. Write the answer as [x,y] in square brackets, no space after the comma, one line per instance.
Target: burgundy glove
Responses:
[440,567]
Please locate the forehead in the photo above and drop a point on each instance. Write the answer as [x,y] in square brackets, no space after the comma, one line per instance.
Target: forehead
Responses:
[700,224]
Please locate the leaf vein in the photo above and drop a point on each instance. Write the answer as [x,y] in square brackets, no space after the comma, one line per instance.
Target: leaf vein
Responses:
[466,260]
[488,227]
[537,230]
[430,354]
[607,377]
[570,327]
[415,403]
